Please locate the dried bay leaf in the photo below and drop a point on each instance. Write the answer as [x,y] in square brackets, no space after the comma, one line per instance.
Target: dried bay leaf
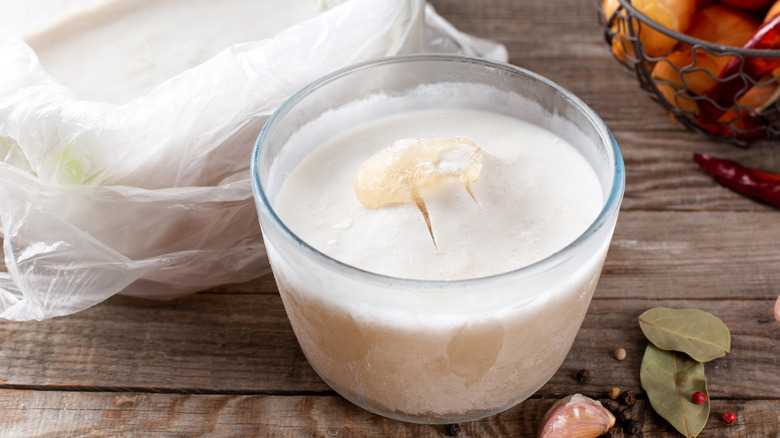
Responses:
[670,379]
[694,332]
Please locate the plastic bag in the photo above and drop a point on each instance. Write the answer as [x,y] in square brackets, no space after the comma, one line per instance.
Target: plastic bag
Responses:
[152,198]
[443,37]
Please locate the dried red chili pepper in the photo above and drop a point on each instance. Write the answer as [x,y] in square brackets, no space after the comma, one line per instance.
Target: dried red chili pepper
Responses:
[747,181]
[723,94]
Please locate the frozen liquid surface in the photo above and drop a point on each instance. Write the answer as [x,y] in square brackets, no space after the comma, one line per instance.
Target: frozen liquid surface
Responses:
[125,48]
[535,194]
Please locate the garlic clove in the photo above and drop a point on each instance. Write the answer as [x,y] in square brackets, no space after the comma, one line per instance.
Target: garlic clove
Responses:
[576,416]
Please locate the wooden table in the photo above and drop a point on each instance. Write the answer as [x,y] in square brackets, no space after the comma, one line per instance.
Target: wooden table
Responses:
[225,362]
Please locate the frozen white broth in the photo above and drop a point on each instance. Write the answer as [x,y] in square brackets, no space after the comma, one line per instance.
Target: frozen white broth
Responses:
[124,48]
[416,356]
[535,194]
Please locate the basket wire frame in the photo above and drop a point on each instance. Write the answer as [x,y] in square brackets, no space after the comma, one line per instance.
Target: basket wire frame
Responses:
[625,26]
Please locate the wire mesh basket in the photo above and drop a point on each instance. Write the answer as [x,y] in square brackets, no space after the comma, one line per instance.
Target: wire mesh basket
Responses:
[707,87]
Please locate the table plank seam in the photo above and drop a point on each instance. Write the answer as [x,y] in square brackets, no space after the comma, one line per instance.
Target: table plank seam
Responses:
[163,390]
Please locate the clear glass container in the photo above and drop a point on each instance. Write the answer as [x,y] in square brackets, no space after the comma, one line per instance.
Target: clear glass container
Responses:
[433,351]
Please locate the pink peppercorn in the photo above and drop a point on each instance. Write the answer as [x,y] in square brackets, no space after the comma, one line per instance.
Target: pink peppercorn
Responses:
[728,417]
[699,397]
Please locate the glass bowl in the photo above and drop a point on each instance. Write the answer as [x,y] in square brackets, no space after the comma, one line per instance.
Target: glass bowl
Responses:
[421,350]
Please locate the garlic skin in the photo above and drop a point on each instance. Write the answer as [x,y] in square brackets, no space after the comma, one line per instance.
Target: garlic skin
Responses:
[777,309]
[576,416]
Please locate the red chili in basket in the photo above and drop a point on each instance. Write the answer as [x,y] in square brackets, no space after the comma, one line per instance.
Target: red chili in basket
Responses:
[751,182]
[724,91]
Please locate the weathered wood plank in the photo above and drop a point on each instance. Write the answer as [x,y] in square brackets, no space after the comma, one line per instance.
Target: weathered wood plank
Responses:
[661,174]
[221,343]
[200,343]
[672,255]
[64,414]
[718,255]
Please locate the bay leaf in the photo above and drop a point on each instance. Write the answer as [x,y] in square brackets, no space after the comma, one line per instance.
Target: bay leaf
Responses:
[694,332]
[670,379]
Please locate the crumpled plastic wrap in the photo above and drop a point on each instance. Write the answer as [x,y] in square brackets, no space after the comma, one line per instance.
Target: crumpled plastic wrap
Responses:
[152,198]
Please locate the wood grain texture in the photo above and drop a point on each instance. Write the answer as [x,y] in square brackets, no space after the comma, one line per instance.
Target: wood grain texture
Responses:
[226,363]
[717,255]
[104,414]
[248,348]
[203,343]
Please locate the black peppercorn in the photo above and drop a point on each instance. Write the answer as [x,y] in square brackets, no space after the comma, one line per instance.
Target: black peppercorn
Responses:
[625,415]
[614,432]
[453,429]
[611,405]
[633,427]
[628,398]
[583,376]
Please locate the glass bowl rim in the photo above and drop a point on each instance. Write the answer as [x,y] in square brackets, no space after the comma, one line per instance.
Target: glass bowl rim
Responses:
[607,213]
